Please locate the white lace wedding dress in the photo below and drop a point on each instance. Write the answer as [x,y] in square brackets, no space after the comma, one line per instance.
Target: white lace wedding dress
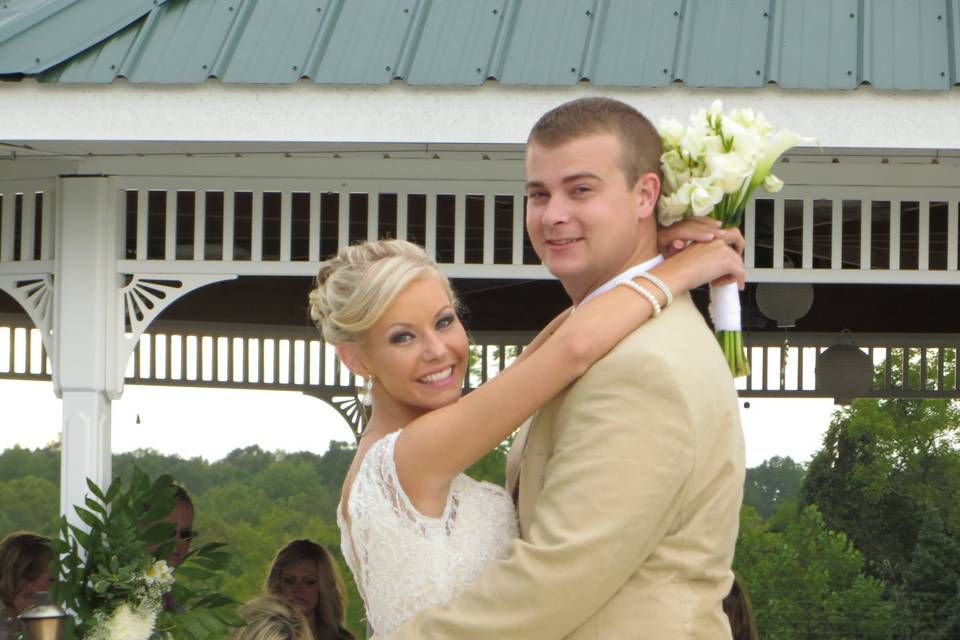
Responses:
[404,561]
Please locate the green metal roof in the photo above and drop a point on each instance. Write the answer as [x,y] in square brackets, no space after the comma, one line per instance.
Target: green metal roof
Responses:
[797,44]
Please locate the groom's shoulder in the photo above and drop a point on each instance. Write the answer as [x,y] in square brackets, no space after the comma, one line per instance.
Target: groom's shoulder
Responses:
[680,323]
[678,338]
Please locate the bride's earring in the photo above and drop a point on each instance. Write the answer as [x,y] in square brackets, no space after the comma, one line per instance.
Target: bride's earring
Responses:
[366,393]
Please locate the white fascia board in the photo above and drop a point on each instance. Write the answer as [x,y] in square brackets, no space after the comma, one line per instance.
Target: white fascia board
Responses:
[399,113]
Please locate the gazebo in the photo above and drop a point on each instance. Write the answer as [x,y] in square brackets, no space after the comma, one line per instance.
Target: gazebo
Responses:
[172,172]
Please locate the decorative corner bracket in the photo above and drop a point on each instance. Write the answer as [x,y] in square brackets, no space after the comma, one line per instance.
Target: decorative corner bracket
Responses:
[141,300]
[34,292]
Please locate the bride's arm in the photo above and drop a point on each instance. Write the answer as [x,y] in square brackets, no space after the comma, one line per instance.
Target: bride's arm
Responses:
[437,446]
[541,337]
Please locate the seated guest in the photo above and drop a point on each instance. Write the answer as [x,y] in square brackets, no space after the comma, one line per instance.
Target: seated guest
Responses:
[271,618]
[305,574]
[182,519]
[24,570]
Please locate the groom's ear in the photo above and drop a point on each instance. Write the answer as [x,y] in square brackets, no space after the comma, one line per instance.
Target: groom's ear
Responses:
[646,192]
[351,357]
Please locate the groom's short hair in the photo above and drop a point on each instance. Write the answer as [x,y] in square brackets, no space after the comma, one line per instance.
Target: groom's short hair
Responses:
[639,141]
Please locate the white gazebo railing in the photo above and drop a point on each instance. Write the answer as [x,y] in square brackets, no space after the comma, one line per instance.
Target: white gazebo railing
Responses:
[817,233]
[280,357]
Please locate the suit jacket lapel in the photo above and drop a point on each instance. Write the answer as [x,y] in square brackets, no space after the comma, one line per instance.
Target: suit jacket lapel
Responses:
[515,456]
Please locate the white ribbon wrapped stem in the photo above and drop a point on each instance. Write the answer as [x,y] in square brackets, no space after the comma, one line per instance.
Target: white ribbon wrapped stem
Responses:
[725,307]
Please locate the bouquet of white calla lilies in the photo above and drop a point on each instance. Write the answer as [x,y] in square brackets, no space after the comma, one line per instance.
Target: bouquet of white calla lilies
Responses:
[711,167]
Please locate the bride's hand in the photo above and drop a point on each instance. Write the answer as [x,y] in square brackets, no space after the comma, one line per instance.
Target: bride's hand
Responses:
[717,261]
[677,236]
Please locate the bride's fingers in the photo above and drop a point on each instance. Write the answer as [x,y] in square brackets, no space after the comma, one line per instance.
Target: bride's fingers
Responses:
[678,236]
[734,238]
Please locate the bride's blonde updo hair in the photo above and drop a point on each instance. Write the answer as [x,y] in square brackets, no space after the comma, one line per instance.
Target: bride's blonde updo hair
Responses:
[355,287]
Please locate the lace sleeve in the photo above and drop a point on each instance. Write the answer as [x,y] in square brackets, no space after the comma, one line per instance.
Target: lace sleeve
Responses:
[390,542]
[379,475]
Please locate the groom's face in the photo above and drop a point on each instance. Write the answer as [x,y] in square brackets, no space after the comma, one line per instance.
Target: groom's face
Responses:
[584,221]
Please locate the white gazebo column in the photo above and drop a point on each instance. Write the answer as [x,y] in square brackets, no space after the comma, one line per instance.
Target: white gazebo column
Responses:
[84,327]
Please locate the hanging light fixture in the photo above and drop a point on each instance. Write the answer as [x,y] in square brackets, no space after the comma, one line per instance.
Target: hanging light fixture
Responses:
[785,302]
[844,371]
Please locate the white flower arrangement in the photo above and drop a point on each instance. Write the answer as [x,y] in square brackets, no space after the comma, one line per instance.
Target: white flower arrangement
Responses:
[711,167]
[127,622]
[113,576]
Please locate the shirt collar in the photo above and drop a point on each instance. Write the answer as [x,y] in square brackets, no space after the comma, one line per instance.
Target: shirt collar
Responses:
[629,274]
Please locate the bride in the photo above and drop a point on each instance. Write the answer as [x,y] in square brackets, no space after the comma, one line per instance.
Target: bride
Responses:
[415,530]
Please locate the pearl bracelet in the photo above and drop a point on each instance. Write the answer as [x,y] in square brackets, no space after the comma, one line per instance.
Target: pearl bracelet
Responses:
[660,284]
[652,299]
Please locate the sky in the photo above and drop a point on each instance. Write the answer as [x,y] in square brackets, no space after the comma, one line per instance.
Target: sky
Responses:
[210,423]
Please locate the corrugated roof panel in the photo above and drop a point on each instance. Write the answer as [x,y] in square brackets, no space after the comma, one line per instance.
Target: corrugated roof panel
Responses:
[36,36]
[548,42]
[814,44]
[905,44]
[19,15]
[723,44]
[276,42]
[457,42]
[99,64]
[367,44]
[799,44]
[635,43]
[181,40]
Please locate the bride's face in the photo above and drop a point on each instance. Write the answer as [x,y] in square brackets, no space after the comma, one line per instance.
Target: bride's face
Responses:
[417,351]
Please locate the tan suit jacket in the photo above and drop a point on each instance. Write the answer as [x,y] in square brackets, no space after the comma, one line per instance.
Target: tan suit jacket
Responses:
[630,485]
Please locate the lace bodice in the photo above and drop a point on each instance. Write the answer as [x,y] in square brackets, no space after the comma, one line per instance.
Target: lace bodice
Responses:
[404,561]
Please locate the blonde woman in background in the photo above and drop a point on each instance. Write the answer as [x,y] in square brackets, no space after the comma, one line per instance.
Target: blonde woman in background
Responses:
[272,618]
[305,575]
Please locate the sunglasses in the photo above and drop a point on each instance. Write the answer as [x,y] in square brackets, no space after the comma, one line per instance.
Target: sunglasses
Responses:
[187,534]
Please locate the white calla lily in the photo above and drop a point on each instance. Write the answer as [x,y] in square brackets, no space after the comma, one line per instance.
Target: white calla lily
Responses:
[772,184]
[774,147]
[730,170]
[671,131]
[704,196]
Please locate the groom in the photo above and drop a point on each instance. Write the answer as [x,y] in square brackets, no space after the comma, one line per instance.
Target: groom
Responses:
[629,483]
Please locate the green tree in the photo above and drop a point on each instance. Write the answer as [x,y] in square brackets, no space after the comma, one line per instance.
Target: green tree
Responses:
[771,483]
[928,602]
[492,467]
[18,462]
[882,466]
[805,581]
[29,504]
[196,474]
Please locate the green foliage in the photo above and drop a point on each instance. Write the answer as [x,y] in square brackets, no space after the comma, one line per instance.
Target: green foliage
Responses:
[109,564]
[806,581]
[928,602]
[883,465]
[492,467]
[29,503]
[18,462]
[772,483]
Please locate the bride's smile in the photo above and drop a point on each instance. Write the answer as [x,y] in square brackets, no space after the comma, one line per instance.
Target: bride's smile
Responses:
[440,378]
